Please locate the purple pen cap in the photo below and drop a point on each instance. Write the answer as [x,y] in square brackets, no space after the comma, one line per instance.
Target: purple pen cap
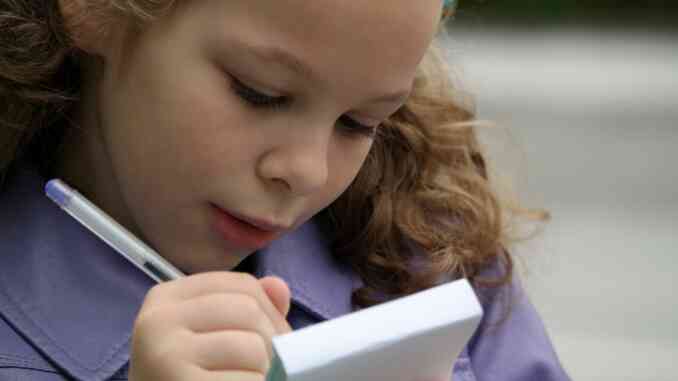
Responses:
[58,191]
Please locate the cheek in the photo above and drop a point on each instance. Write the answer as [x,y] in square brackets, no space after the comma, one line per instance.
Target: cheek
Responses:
[190,129]
[348,165]
[345,161]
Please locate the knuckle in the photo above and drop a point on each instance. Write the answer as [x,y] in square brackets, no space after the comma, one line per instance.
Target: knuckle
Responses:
[244,309]
[154,293]
[165,352]
[248,280]
[261,351]
[262,323]
[226,280]
[147,321]
[219,302]
[143,319]
[249,305]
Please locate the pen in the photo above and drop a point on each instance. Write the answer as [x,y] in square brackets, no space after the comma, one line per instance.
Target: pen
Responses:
[125,243]
[111,232]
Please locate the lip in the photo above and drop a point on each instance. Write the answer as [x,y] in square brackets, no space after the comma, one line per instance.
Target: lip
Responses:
[243,232]
[261,224]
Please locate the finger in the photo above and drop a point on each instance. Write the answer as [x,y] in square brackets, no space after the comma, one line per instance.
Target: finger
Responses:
[217,312]
[278,292]
[197,373]
[230,350]
[213,283]
[234,376]
[221,312]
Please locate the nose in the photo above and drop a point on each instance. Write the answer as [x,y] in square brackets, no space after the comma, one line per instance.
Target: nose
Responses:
[298,163]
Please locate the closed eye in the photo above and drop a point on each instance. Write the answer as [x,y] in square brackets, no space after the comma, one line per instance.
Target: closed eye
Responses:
[256,99]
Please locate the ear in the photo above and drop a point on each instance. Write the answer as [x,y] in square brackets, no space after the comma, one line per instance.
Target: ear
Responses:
[87,27]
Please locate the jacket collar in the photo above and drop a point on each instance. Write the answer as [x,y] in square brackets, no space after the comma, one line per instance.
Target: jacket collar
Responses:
[319,283]
[75,299]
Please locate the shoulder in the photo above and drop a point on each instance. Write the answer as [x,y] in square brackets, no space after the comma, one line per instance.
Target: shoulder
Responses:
[511,342]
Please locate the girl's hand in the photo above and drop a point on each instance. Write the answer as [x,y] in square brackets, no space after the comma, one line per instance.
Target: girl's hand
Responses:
[210,326]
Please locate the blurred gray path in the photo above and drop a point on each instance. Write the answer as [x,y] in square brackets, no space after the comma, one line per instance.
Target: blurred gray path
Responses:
[594,119]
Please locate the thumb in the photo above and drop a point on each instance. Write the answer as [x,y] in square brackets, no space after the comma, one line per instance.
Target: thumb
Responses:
[279,293]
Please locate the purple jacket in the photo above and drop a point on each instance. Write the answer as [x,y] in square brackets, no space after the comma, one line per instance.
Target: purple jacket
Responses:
[68,302]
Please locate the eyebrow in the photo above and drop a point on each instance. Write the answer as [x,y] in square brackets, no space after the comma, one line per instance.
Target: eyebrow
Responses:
[276,54]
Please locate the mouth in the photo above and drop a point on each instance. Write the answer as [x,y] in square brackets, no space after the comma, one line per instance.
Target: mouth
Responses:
[244,231]
[260,223]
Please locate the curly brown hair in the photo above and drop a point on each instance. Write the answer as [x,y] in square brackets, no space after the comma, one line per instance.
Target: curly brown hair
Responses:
[421,210]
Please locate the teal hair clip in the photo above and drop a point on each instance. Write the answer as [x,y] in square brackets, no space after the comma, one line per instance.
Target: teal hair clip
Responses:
[448,7]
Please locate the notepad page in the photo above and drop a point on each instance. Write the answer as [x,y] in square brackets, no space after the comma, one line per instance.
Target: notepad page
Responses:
[413,338]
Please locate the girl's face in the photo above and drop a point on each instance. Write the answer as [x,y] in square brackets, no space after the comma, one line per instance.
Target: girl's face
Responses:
[261,109]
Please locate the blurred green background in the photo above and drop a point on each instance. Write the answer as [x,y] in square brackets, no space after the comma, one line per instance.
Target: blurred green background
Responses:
[639,13]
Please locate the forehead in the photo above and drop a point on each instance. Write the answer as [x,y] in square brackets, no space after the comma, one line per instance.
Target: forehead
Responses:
[358,22]
[388,37]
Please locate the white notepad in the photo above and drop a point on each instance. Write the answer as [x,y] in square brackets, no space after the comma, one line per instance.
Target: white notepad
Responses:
[414,338]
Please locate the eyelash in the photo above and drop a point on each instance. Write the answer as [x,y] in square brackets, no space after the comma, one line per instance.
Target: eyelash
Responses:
[258,100]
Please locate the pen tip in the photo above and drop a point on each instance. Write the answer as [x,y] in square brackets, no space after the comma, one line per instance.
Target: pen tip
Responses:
[56,190]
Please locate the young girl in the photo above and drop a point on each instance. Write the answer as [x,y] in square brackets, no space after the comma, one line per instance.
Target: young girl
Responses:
[298,159]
